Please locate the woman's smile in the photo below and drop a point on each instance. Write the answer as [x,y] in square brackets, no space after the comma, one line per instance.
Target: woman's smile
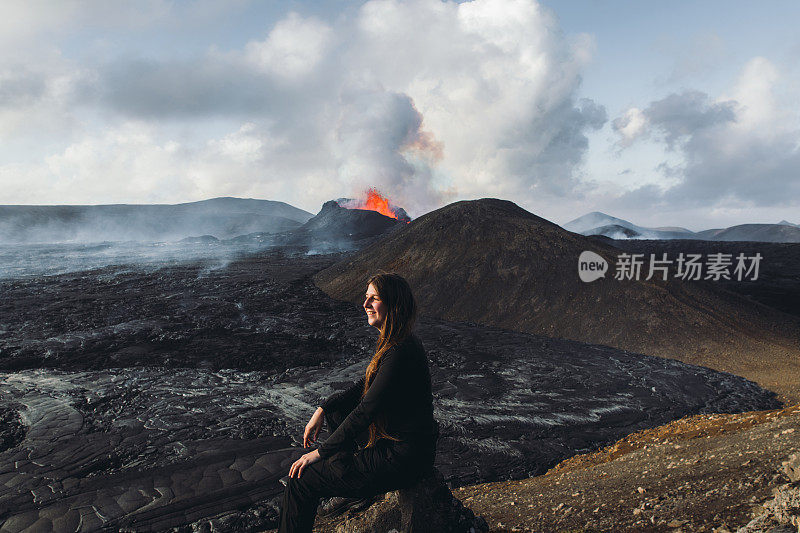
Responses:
[375,307]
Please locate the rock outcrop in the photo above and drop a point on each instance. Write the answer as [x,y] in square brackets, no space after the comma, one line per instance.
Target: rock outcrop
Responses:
[427,506]
[792,468]
[781,513]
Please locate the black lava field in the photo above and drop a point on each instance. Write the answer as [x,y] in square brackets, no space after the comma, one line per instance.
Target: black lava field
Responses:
[152,398]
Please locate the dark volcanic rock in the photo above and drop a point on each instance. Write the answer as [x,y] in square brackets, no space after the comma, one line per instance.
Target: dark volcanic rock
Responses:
[258,237]
[430,505]
[491,262]
[334,221]
[11,429]
[336,228]
[186,315]
[178,396]
[351,203]
[427,506]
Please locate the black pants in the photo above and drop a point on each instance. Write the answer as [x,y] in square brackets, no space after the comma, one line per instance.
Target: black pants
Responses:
[356,474]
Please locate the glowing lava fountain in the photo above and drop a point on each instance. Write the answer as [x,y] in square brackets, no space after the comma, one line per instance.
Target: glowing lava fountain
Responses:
[375,201]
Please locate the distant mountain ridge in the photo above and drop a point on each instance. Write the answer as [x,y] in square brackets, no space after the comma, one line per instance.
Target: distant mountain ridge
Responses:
[753,232]
[222,217]
[597,223]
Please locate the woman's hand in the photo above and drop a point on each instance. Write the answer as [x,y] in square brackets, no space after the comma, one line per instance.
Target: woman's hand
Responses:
[298,466]
[313,427]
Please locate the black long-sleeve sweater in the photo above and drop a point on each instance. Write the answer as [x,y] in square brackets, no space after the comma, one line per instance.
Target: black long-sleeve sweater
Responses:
[400,393]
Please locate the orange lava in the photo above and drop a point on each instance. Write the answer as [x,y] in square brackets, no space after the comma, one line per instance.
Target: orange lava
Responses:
[375,201]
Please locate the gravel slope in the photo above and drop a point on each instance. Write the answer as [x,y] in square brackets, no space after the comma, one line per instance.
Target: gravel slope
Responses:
[702,473]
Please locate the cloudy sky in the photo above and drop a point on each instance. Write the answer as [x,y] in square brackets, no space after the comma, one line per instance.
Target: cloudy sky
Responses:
[661,113]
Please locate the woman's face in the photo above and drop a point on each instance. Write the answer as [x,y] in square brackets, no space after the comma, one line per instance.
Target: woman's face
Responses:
[375,307]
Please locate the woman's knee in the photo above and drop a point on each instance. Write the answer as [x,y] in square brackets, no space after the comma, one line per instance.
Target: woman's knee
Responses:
[309,483]
[298,488]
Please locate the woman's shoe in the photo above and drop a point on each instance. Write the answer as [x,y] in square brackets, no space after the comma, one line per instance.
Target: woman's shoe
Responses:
[338,505]
[334,506]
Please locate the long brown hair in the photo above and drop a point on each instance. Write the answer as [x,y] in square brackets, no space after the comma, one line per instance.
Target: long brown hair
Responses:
[401,313]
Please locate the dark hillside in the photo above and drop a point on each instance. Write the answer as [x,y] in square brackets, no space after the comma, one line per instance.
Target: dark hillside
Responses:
[490,261]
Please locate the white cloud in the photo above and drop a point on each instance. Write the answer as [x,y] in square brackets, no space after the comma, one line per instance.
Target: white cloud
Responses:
[245,146]
[742,149]
[428,100]
[27,26]
[630,126]
[293,48]
[755,93]
[119,163]
[38,96]
[131,163]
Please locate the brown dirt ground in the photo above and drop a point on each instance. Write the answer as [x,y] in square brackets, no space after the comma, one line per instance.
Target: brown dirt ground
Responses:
[700,473]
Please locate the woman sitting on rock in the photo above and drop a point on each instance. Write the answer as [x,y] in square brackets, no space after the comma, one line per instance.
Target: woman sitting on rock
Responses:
[391,406]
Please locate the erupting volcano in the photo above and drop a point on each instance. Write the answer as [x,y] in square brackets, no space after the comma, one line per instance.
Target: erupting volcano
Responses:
[375,201]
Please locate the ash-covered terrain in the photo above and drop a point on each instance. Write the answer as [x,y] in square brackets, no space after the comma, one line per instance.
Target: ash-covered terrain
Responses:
[159,397]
